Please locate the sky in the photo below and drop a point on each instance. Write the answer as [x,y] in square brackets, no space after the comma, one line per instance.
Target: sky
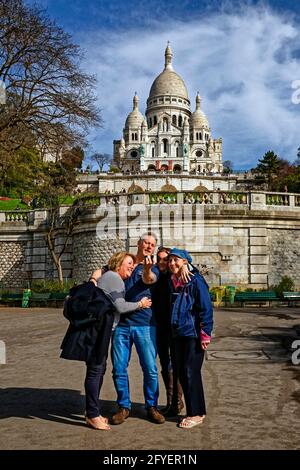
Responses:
[243,57]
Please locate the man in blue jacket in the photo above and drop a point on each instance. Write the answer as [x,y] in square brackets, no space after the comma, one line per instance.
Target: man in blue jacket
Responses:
[139,329]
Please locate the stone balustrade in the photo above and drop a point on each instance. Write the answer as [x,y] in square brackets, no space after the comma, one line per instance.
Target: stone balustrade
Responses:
[252,200]
[16,216]
[249,238]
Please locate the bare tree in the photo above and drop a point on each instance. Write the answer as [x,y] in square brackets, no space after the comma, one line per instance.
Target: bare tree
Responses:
[48,96]
[59,225]
[100,159]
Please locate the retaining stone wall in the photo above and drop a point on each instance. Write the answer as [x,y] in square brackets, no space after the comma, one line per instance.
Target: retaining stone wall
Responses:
[90,253]
[284,248]
[12,264]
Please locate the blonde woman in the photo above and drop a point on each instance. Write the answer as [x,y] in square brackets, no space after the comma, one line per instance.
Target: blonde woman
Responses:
[120,267]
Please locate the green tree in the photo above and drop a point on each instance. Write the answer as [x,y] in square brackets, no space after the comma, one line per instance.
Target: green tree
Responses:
[227,167]
[268,167]
[21,173]
[297,161]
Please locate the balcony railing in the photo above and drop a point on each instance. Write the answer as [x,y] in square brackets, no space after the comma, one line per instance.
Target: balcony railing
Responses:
[198,198]
[163,198]
[252,200]
[233,198]
[16,216]
[277,199]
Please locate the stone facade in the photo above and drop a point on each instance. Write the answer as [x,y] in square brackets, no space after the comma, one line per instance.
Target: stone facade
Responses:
[90,253]
[140,183]
[12,265]
[250,239]
[170,137]
[284,257]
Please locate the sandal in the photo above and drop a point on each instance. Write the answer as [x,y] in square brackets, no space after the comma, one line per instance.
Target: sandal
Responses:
[99,424]
[103,419]
[188,423]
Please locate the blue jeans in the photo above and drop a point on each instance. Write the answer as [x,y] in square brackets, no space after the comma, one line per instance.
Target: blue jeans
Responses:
[93,383]
[144,338]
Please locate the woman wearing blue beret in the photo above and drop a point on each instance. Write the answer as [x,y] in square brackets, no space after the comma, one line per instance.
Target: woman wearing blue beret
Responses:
[192,322]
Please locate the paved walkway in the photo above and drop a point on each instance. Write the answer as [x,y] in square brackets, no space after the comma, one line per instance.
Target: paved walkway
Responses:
[252,389]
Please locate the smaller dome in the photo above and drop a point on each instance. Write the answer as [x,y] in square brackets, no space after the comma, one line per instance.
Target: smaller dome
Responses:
[200,189]
[198,118]
[135,118]
[169,188]
[134,188]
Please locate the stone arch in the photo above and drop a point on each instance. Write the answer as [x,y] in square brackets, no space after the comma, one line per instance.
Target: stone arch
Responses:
[169,188]
[177,168]
[200,189]
[164,167]
[134,188]
[151,168]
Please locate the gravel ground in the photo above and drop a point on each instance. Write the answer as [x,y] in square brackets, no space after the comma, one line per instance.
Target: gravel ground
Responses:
[252,388]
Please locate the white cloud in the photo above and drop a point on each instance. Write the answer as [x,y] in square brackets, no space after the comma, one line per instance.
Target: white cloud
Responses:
[243,65]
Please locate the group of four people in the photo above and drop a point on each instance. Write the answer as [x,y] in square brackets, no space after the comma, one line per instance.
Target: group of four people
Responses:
[162,308]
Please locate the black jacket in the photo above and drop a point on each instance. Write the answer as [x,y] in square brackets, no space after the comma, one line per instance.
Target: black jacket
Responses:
[91,344]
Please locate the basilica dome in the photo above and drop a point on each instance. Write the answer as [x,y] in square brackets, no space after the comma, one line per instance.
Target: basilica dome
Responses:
[198,118]
[168,82]
[135,118]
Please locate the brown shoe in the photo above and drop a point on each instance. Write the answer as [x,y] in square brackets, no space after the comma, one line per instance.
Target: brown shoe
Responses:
[120,416]
[155,416]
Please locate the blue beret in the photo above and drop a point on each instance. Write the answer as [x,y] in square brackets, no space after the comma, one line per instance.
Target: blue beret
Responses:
[181,254]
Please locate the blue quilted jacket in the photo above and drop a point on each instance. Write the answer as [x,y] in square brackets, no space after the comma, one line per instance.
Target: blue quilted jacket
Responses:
[191,309]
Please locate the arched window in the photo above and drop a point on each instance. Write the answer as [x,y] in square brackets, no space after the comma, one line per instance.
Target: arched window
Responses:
[177,149]
[180,121]
[174,119]
[200,135]
[153,148]
[177,169]
[165,143]
[132,136]
[136,136]
[150,122]
[155,120]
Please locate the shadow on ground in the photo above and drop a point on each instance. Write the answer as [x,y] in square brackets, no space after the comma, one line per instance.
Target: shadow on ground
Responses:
[59,405]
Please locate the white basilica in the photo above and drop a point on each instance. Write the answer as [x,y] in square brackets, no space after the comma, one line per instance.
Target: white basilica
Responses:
[170,138]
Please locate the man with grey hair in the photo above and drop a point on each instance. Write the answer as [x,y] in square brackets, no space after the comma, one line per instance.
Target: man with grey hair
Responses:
[138,328]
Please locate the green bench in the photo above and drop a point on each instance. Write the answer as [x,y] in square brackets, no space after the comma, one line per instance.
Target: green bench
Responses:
[11,298]
[291,297]
[58,297]
[255,297]
[39,297]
